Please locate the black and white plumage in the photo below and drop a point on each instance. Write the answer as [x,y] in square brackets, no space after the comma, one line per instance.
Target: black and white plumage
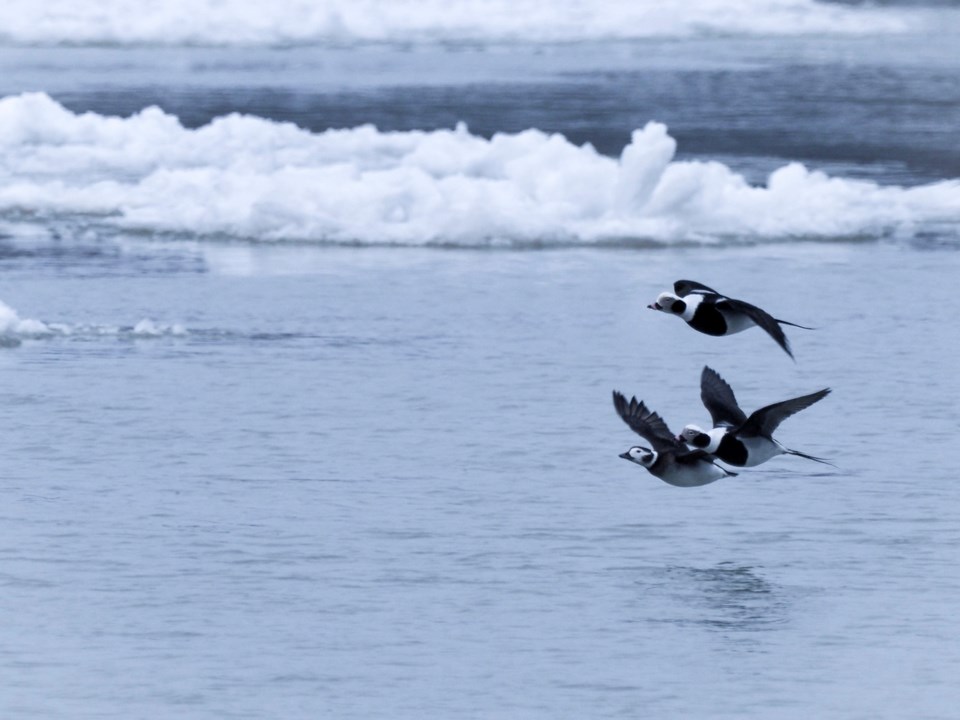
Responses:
[737,439]
[708,311]
[669,459]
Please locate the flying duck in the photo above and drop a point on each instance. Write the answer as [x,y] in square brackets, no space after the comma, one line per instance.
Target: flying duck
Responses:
[708,311]
[737,439]
[670,459]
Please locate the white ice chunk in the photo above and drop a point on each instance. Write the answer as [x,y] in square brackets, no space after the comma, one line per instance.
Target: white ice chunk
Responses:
[256,179]
[12,324]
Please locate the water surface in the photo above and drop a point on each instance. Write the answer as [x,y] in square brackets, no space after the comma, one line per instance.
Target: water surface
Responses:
[377,481]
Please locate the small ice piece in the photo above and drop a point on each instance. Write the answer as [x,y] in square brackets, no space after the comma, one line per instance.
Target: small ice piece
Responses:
[12,324]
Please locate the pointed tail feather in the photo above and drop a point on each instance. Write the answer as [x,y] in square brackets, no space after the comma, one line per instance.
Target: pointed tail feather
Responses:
[787,322]
[810,457]
[728,471]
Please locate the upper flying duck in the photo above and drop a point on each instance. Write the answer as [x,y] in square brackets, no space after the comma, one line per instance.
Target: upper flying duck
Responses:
[670,459]
[708,311]
[737,439]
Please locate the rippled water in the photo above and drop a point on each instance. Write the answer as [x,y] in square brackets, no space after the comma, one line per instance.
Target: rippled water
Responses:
[368,483]
[296,481]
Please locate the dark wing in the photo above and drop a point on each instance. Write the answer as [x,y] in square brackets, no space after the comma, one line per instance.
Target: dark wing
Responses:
[682,288]
[762,318]
[691,457]
[767,419]
[718,399]
[647,424]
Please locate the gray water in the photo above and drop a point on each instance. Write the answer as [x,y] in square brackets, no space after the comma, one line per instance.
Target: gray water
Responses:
[384,483]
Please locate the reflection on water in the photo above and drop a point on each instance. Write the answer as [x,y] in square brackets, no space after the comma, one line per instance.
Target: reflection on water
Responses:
[726,596]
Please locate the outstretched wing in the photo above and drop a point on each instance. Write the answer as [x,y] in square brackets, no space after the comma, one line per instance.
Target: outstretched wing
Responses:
[767,419]
[718,398]
[682,288]
[762,318]
[647,424]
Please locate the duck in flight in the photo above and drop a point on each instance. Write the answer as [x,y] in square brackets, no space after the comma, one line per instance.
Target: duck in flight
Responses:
[669,458]
[708,311]
[739,440]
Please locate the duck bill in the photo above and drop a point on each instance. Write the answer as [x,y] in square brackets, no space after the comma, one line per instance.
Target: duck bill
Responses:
[625,456]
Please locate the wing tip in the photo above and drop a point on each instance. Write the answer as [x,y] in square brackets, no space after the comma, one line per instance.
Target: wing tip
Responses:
[783,342]
[626,408]
[709,372]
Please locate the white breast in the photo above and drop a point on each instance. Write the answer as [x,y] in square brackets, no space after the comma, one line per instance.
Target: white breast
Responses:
[692,302]
[716,435]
